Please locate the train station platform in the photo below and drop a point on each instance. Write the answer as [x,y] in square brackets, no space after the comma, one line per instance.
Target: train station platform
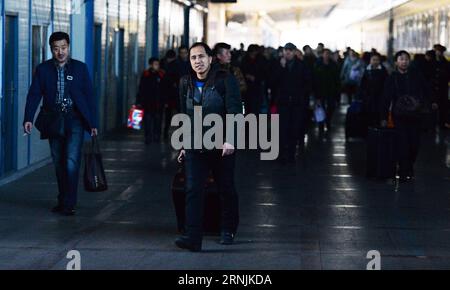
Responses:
[320,213]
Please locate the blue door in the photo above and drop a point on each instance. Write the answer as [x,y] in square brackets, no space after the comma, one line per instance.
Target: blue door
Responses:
[98,68]
[9,102]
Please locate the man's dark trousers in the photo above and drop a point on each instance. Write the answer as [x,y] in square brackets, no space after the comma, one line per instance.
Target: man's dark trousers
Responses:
[197,167]
[290,126]
[66,155]
[152,126]
[408,139]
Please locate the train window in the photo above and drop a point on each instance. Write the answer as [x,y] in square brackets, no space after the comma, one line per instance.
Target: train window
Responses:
[39,47]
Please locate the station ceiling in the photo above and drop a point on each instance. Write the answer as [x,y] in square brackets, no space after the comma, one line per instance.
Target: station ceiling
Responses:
[289,13]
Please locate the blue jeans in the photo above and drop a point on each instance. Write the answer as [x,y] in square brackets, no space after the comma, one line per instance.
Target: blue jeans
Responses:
[66,155]
[197,169]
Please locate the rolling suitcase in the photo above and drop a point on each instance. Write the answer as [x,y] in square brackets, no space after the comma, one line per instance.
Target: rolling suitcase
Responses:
[355,122]
[212,210]
[381,155]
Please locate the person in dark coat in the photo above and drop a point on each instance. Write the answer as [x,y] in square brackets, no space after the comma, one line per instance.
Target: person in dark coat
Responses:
[326,85]
[64,86]
[440,81]
[172,76]
[254,69]
[371,90]
[150,97]
[309,58]
[429,65]
[293,86]
[404,84]
[215,91]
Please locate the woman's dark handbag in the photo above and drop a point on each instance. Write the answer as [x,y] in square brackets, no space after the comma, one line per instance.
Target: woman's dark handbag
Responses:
[94,174]
[407,105]
[50,124]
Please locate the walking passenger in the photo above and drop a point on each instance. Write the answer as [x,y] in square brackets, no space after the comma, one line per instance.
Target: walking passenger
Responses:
[408,94]
[371,90]
[293,82]
[215,91]
[150,97]
[326,85]
[66,89]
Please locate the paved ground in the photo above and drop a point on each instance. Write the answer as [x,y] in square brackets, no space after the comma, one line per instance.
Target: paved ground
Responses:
[321,213]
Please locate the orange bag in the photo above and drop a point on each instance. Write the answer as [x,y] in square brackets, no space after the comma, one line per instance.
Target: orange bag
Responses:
[390,120]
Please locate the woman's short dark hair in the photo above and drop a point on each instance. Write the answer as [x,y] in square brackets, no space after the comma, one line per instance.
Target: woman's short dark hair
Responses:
[204,45]
[401,52]
[57,36]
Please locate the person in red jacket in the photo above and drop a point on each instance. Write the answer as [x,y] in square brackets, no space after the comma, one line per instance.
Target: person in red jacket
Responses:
[150,98]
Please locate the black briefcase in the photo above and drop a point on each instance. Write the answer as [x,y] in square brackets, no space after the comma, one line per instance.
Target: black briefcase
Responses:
[94,174]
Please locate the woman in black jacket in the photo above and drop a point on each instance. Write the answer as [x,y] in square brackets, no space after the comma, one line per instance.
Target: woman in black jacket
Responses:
[371,90]
[406,95]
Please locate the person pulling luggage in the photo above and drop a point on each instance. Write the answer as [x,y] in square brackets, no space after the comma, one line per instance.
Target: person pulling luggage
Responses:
[406,95]
[215,91]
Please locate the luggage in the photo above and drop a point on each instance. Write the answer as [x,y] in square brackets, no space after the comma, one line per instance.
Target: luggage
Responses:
[355,122]
[94,173]
[212,211]
[381,154]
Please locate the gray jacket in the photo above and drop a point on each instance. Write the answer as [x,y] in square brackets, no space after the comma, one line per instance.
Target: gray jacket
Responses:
[220,95]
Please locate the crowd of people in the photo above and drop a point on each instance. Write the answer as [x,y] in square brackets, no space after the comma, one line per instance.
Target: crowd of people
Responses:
[293,81]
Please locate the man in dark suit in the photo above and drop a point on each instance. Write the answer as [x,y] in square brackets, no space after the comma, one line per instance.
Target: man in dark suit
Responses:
[294,83]
[66,88]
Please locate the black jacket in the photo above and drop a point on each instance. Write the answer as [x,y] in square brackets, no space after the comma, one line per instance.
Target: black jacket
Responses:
[410,83]
[293,83]
[78,86]
[151,91]
[371,89]
[220,95]
[326,81]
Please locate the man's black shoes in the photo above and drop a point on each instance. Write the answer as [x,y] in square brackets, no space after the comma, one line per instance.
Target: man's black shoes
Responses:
[184,242]
[63,211]
[226,238]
